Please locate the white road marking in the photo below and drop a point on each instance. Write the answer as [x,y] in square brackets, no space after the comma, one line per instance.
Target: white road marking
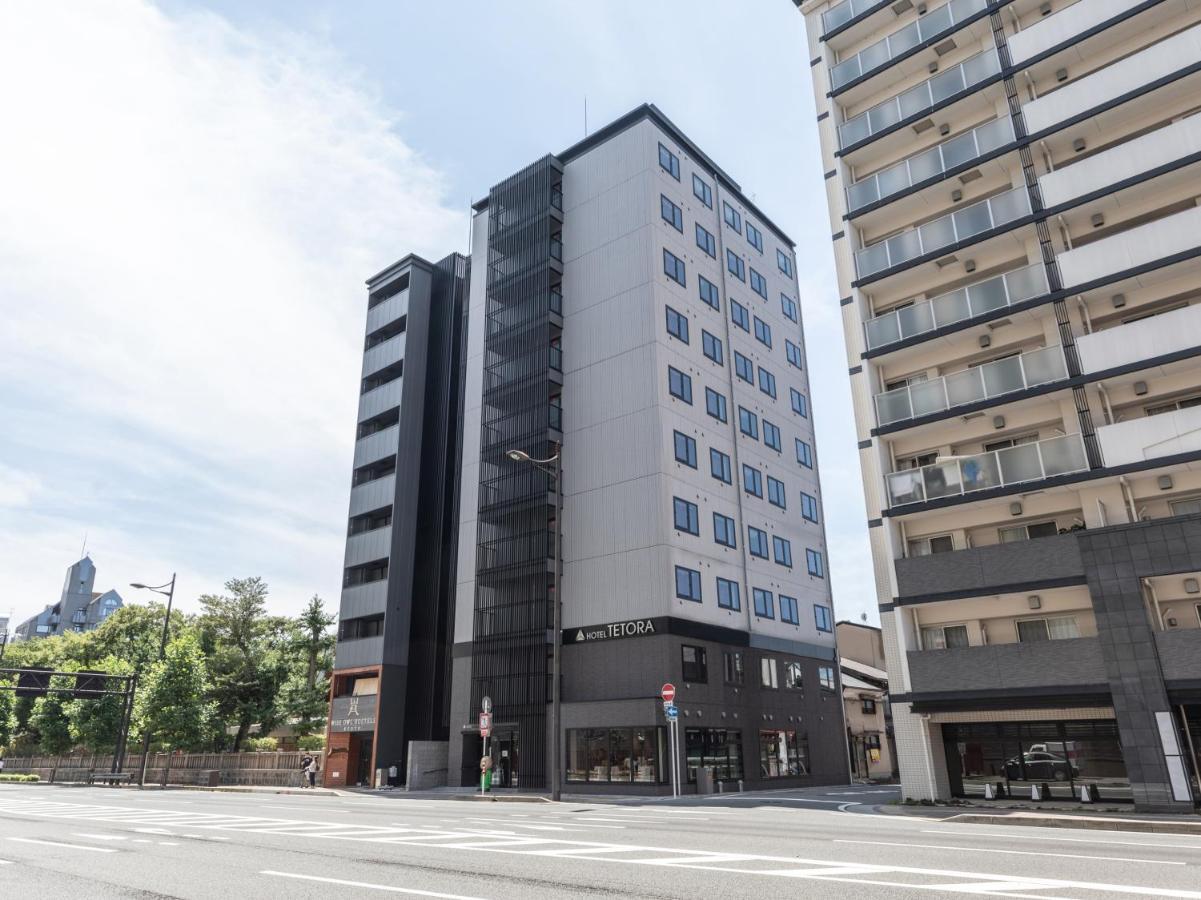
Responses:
[167,844]
[99,837]
[364,884]
[1153,862]
[1041,837]
[25,840]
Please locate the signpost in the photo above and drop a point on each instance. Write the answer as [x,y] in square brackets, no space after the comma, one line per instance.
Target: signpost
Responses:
[485,733]
[672,713]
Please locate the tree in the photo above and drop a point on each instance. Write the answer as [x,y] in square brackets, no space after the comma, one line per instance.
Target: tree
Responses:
[49,720]
[95,722]
[304,694]
[8,721]
[171,699]
[316,638]
[134,633]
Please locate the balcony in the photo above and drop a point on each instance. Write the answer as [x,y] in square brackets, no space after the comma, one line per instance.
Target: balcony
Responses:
[381,399]
[1180,654]
[1066,26]
[989,570]
[368,545]
[376,446]
[919,99]
[1135,342]
[964,304]
[1143,245]
[958,476]
[388,311]
[986,382]
[372,495]
[947,231]
[1151,437]
[364,599]
[844,12]
[1071,662]
[381,355]
[930,164]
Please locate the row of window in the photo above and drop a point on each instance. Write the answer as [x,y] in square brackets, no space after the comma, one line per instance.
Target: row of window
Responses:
[695,670]
[729,595]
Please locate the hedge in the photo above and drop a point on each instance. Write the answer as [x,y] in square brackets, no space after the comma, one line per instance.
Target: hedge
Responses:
[19,778]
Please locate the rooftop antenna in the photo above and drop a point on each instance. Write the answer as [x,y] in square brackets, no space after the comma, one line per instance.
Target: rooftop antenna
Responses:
[585,115]
[83,551]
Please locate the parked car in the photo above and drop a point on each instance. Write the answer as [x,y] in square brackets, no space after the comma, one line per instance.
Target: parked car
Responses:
[1040,766]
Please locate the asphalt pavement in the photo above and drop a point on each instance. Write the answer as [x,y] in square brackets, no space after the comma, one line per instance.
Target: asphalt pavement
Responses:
[99,843]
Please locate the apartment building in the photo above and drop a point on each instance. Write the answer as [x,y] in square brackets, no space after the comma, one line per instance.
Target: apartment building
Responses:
[1013,190]
[79,608]
[870,739]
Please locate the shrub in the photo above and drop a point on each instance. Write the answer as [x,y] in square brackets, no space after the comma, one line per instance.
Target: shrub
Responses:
[262,744]
[311,742]
[19,779]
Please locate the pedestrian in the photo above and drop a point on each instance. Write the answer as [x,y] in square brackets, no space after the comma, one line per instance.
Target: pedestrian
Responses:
[305,761]
[312,772]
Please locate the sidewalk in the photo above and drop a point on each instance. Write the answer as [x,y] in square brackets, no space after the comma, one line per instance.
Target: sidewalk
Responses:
[1052,815]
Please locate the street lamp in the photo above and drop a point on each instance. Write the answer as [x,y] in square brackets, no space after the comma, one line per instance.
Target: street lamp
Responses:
[169,593]
[554,468]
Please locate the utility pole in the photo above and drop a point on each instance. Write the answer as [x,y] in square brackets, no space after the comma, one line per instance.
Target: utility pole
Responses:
[169,593]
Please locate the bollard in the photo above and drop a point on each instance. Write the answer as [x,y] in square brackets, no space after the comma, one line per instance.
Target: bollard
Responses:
[1089,794]
[721,787]
[990,791]
[740,787]
[1036,793]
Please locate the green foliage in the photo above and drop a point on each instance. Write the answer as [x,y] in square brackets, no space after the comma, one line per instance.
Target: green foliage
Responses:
[262,744]
[49,719]
[304,695]
[95,722]
[19,779]
[311,742]
[170,701]
[8,720]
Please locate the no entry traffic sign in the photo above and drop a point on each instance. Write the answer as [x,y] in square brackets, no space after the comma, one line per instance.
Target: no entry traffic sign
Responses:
[668,693]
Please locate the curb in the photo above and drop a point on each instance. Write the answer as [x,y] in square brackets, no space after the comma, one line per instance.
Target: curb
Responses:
[1093,823]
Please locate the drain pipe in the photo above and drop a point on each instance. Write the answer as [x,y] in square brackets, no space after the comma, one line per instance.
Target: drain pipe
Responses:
[1131,510]
[1105,399]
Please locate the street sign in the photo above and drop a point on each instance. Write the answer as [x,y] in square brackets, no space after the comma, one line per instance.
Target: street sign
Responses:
[672,712]
[485,724]
[668,693]
[486,704]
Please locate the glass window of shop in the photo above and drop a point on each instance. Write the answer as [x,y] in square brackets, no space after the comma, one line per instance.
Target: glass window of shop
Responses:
[615,755]
[1063,756]
[783,754]
[720,748]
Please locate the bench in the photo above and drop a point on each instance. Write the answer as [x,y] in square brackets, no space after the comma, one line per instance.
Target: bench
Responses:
[110,778]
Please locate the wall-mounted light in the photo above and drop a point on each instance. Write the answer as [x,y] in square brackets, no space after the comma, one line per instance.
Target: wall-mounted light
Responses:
[1140,388]
[1061,75]
[986,340]
[1191,586]
[998,422]
[956,195]
[1015,508]
[1035,601]
[1079,145]
[1119,300]
[1164,482]
[1098,219]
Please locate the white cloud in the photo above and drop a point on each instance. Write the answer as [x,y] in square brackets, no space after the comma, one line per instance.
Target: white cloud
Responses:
[189,213]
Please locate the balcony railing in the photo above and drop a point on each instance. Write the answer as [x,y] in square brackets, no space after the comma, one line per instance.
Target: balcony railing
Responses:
[994,379]
[918,99]
[943,232]
[1000,468]
[556,302]
[556,358]
[957,306]
[556,417]
[845,11]
[556,198]
[932,163]
[899,42]
[556,249]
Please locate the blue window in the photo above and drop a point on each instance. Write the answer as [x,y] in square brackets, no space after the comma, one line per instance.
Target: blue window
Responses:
[775,493]
[708,292]
[788,307]
[669,162]
[688,584]
[758,284]
[799,404]
[782,550]
[804,454]
[719,465]
[815,563]
[752,481]
[762,332]
[715,404]
[706,241]
[685,449]
[673,268]
[821,617]
[732,216]
[764,604]
[702,191]
[754,236]
[679,385]
[808,507]
[743,368]
[712,347]
[736,265]
[672,214]
[677,324]
[793,353]
[728,594]
[767,382]
[686,516]
[740,316]
[784,261]
[771,436]
[756,541]
[748,422]
[788,610]
[723,530]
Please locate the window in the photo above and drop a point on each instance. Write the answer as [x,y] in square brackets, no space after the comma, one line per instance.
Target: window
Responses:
[688,584]
[736,265]
[685,449]
[767,672]
[752,481]
[767,382]
[808,507]
[712,347]
[733,666]
[775,493]
[794,676]
[788,612]
[815,564]
[719,465]
[686,516]
[771,436]
[792,353]
[732,216]
[821,617]
[1056,629]
[764,604]
[940,543]
[782,550]
[762,332]
[1026,532]
[616,755]
[706,241]
[672,214]
[1188,507]
[677,324]
[1173,405]
[825,677]
[694,668]
[754,236]
[702,191]
[743,368]
[944,637]
[724,531]
[758,284]
[869,706]
[788,307]
[708,292]
[720,748]
[673,268]
[669,162]
[728,598]
[715,404]
[757,541]
[364,627]
[748,422]
[804,454]
[784,262]
[740,316]
[799,405]
[679,384]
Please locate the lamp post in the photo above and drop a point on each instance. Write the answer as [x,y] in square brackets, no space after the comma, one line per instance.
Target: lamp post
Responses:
[554,468]
[169,593]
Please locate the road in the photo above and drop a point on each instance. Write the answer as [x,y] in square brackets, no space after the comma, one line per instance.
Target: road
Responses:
[100,843]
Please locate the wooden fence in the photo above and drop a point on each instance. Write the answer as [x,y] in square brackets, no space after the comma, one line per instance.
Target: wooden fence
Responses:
[262,769]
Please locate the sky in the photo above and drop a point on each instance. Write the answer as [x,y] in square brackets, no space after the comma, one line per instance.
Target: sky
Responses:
[194,192]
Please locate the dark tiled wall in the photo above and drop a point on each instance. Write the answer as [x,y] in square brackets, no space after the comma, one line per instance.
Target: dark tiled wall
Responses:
[982,569]
[1068,663]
